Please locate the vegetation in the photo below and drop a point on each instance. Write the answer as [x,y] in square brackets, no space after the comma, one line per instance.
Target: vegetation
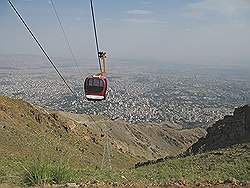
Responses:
[41,172]
[28,132]
[212,166]
[39,148]
[209,166]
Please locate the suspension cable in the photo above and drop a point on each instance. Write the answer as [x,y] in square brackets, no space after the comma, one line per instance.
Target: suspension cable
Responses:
[42,49]
[95,33]
[65,36]
[47,56]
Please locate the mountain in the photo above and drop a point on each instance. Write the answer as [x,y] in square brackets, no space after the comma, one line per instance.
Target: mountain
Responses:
[41,141]
[28,131]
[145,141]
[219,159]
[227,167]
[228,131]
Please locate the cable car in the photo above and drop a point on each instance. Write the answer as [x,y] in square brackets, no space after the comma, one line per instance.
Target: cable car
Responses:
[95,86]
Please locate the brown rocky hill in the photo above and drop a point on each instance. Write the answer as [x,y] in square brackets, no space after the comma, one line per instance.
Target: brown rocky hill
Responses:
[228,131]
[145,141]
[28,131]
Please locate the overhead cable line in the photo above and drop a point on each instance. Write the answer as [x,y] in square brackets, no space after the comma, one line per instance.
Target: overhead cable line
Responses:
[65,36]
[95,33]
[42,49]
[49,59]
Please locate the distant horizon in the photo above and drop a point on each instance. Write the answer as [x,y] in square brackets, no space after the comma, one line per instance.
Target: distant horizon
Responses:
[134,61]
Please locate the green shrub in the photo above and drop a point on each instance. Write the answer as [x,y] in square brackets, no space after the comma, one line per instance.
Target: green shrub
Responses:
[62,174]
[37,173]
[41,172]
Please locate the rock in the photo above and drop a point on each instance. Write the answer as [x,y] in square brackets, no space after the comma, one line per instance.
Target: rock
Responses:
[71,185]
[94,182]
[245,183]
[232,181]
[226,132]
[84,124]
[114,184]
[180,182]
[55,116]
[220,182]
[71,124]
[198,184]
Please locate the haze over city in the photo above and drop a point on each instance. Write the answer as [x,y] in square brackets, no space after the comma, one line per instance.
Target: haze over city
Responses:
[190,32]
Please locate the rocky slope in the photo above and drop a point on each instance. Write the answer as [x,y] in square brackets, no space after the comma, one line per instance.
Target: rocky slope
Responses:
[230,130]
[145,141]
[28,131]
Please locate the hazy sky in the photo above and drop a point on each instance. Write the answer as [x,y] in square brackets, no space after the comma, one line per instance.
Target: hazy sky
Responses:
[186,31]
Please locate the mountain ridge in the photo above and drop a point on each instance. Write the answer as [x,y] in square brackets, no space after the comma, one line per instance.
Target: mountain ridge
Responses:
[232,129]
[33,135]
[28,130]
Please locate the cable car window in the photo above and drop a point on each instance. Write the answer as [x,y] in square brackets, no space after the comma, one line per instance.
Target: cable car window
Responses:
[95,85]
[90,82]
[101,83]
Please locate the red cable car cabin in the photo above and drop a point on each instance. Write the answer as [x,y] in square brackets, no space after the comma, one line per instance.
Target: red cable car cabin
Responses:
[96,87]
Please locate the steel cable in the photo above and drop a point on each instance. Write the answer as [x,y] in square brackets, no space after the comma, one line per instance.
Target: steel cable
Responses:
[42,49]
[65,36]
[95,33]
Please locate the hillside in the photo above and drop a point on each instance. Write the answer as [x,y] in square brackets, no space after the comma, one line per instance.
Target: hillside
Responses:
[219,168]
[145,141]
[28,131]
[37,139]
[230,130]
[226,167]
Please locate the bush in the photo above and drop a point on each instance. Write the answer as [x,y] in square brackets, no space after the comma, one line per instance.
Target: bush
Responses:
[41,172]
[62,174]
[37,173]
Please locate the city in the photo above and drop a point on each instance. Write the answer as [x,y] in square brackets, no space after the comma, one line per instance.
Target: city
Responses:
[187,97]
